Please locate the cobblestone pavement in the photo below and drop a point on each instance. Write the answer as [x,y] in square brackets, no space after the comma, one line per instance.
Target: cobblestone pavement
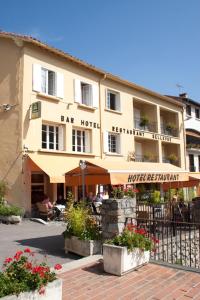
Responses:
[149,282]
[44,239]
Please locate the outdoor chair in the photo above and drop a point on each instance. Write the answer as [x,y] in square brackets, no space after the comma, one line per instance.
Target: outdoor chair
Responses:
[44,212]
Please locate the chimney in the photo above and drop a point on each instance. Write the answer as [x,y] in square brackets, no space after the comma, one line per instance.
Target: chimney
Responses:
[183,95]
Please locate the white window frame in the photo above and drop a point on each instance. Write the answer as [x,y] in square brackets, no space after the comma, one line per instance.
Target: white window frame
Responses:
[118,137]
[89,101]
[85,140]
[57,146]
[46,90]
[117,100]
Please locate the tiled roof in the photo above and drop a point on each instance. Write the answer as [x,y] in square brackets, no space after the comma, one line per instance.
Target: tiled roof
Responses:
[36,42]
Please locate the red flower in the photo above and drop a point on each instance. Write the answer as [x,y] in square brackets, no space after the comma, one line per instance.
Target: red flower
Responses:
[28,265]
[57,267]
[27,250]
[156,241]
[8,260]
[18,255]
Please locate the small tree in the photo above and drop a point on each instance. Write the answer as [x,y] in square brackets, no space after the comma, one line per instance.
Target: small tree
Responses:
[3,189]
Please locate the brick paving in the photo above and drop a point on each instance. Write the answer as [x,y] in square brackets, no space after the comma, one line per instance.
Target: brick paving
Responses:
[149,282]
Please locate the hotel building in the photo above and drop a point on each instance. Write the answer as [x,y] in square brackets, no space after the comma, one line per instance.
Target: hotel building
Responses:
[56,110]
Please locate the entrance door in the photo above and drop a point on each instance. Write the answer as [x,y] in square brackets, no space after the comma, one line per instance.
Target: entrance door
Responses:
[37,186]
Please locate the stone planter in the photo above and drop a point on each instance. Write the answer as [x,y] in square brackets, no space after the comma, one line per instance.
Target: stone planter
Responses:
[10,219]
[118,261]
[52,291]
[82,247]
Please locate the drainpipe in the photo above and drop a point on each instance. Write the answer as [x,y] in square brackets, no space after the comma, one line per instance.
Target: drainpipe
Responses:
[100,116]
[184,133]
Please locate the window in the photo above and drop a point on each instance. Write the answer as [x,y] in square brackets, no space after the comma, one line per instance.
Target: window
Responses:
[113,100]
[80,140]
[197,114]
[188,110]
[52,137]
[191,163]
[86,93]
[113,143]
[47,81]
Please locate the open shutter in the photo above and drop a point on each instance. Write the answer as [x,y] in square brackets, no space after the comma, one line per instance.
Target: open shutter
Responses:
[77,90]
[118,104]
[37,78]
[106,141]
[87,141]
[61,138]
[60,85]
[119,144]
[95,94]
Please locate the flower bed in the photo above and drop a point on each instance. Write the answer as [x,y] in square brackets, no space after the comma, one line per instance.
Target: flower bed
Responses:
[21,276]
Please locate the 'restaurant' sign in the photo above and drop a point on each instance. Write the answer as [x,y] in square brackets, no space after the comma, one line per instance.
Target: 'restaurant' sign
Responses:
[152,177]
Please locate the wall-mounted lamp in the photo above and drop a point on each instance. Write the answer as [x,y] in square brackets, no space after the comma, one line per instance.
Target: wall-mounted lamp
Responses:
[6,107]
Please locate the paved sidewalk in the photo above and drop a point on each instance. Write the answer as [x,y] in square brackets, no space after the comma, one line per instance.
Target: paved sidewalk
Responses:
[149,282]
[43,239]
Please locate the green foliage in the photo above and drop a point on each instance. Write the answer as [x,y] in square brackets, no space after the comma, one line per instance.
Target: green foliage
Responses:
[133,238]
[118,193]
[171,126]
[173,158]
[155,197]
[22,274]
[10,210]
[3,189]
[80,223]
[144,121]
[70,199]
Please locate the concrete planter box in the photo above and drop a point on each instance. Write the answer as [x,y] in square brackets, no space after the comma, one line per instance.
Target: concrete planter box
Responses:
[52,291]
[118,261]
[11,219]
[82,247]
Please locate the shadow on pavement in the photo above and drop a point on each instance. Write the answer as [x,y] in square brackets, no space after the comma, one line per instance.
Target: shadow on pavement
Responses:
[50,245]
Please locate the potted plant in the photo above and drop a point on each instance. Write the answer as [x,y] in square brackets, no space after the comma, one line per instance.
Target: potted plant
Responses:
[82,234]
[144,121]
[170,127]
[10,214]
[172,158]
[127,251]
[23,279]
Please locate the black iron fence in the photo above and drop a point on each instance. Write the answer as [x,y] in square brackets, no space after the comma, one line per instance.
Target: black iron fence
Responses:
[177,228]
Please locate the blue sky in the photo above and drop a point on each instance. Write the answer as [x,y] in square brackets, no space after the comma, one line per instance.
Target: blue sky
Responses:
[154,43]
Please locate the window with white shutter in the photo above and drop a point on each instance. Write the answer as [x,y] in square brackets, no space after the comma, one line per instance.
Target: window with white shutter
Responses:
[113,100]
[114,143]
[52,137]
[86,94]
[47,81]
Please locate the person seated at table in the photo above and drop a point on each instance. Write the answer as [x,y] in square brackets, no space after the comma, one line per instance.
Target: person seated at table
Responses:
[47,202]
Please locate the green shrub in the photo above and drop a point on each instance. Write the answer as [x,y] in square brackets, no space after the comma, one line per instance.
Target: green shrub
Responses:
[155,197]
[81,223]
[3,188]
[10,211]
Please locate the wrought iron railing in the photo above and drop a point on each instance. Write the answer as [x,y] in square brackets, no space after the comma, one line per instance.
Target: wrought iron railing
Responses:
[150,126]
[146,158]
[169,131]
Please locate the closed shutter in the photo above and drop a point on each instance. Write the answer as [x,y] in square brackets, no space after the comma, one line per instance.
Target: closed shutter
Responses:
[61,138]
[60,85]
[77,90]
[95,102]
[106,141]
[87,141]
[37,78]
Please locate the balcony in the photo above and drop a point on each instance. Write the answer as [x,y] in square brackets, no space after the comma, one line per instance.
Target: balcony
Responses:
[145,124]
[146,158]
[145,116]
[171,154]
[169,123]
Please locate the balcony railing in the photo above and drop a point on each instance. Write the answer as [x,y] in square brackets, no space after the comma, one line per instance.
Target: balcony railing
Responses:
[169,131]
[151,126]
[170,161]
[146,158]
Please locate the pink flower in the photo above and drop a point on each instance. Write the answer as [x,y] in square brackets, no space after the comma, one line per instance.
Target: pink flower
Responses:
[8,260]
[57,267]
[18,255]
[42,290]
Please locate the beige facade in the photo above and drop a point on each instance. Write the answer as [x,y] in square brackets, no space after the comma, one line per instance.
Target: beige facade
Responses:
[86,114]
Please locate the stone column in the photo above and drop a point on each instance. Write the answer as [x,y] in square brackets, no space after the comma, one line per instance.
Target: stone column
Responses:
[115,213]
